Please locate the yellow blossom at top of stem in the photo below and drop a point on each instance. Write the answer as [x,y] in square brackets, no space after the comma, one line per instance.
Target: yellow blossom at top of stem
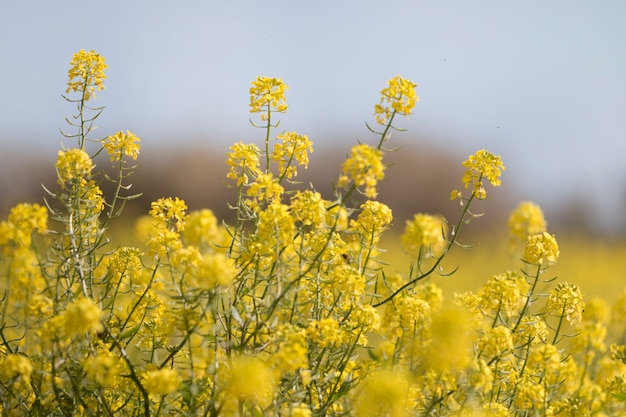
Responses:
[171,211]
[73,164]
[541,249]
[121,144]
[480,166]
[399,97]
[566,300]
[365,167]
[267,93]
[86,73]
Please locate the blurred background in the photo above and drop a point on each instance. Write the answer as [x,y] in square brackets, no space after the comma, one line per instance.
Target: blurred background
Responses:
[540,83]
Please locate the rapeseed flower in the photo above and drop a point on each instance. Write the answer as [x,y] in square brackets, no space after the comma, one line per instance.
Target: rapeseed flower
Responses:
[541,249]
[424,236]
[268,93]
[526,220]
[86,73]
[161,381]
[121,144]
[566,301]
[483,165]
[72,165]
[398,97]
[364,168]
[385,393]
[15,364]
[249,379]
[243,160]
[170,211]
[82,316]
[292,147]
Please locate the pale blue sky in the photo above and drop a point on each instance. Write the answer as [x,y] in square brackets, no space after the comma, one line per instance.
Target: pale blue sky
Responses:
[543,83]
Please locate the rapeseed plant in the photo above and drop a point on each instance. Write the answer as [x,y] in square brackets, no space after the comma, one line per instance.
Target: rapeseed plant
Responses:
[289,311]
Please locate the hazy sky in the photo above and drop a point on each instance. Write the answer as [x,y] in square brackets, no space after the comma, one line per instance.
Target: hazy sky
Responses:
[543,83]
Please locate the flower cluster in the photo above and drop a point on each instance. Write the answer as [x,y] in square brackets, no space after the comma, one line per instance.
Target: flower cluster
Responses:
[86,73]
[483,165]
[290,311]
[398,97]
[266,93]
[122,144]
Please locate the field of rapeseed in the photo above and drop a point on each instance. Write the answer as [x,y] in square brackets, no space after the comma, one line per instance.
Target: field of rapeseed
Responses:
[292,309]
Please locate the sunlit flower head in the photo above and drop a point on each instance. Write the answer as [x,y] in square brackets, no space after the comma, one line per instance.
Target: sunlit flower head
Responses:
[364,167]
[483,165]
[24,220]
[171,211]
[72,165]
[250,379]
[86,73]
[13,365]
[243,160]
[424,235]
[566,300]
[121,144]
[385,393]
[161,381]
[292,148]
[267,94]
[398,97]
[82,316]
[541,249]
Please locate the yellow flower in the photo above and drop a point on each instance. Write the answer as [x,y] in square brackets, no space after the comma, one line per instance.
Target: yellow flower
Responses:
[503,295]
[451,344]
[494,343]
[86,73]
[23,220]
[364,167]
[482,165]
[384,393]
[325,332]
[127,262]
[170,211]
[121,144]
[526,220]
[82,316]
[103,368]
[293,147]
[267,92]
[541,248]
[14,365]
[161,381]
[424,236]
[292,354]
[307,207]
[399,97]
[374,218]
[249,379]
[243,160]
[214,270]
[73,164]
[566,300]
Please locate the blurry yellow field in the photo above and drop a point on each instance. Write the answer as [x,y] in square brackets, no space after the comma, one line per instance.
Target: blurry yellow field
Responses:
[597,267]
